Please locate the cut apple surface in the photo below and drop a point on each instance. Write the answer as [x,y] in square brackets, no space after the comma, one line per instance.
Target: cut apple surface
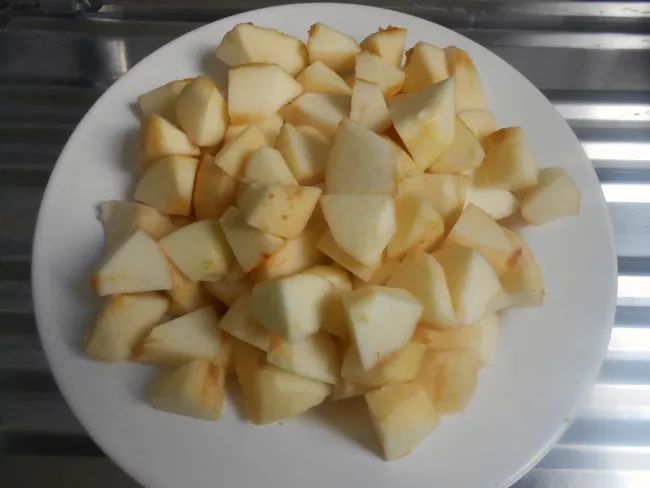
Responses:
[202,112]
[445,193]
[368,107]
[370,67]
[418,226]
[329,247]
[321,110]
[162,100]
[186,295]
[464,154]
[388,44]
[269,127]
[554,197]
[228,290]
[239,322]
[267,166]
[159,138]
[523,284]
[313,357]
[305,152]
[236,154]
[333,48]
[425,65]
[468,88]
[496,202]
[318,78]
[479,121]
[214,190]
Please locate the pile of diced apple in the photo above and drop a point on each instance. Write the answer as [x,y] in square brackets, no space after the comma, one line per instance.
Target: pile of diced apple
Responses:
[332,228]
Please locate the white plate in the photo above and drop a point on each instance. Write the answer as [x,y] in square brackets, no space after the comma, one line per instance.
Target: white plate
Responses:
[547,359]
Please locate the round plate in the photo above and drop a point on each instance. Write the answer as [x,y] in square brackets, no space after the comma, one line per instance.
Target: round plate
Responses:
[548,357]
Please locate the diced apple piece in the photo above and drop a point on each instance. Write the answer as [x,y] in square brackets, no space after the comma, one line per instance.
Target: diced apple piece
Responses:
[318,78]
[523,284]
[509,161]
[464,154]
[136,264]
[248,43]
[395,99]
[195,389]
[471,280]
[321,110]
[403,418]
[334,317]
[426,121]
[496,202]
[329,247]
[381,320]
[291,307]
[248,360]
[477,230]
[214,190]
[479,121]
[229,289]
[239,322]
[269,127]
[122,323]
[555,196]
[256,91]
[425,65]
[305,153]
[186,294]
[335,49]
[469,92]
[362,225]
[361,162]
[159,137]
[313,357]
[122,218]
[370,67]
[482,337]
[202,112]
[449,377]
[368,107]
[445,193]
[344,389]
[161,100]
[236,154]
[267,166]
[193,336]
[388,44]
[168,184]
[250,246]
[401,366]
[418,226]
[406,167]
[336,276]
[422,276]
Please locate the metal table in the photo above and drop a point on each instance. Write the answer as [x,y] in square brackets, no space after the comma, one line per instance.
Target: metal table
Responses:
[591,59]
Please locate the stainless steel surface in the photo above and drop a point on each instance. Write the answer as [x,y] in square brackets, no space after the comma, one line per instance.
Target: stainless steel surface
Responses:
[592,59]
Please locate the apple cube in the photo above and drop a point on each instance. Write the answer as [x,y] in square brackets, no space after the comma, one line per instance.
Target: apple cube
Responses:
[330,248]
[479,121]
[362,225]
[321,110]
[361,162]
[168,184]
[248,43]
[202,112]
[159,138]
[333,48]
[471,279]
[235,155]
[445,193]
[269,127]
[194,390]
[496,202]
[523,284]
[336,276]
[469,92]
[381,320]
[200,250]
[464,154]
[370,67]
[193,336]
[214,190]
[388,44]
[122,323]
[555,196]
[291,307]
[305,153]
[425,65]
[267,166]
[313,357]
[344,389]
[135,264]
[426,122]
[250,246]
[229,289]
[418,226]
[406,167]
[403,418]
[368,107]
[318,78]
[509,161]
[161,101]
[239,322]
[422,276]
[186,295]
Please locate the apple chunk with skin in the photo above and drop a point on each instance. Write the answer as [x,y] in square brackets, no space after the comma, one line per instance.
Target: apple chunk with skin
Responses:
[291,307]
[159,137]
[313,357]
[368,107]
[381,320]
[335,49]
[471,280]
[361,162]
[425,65]
[136,264]
[477,230]
[195,390]
[122,323]
[419,226]
[554,197]
[469,92]
[509,161]
[403,417]
[370,67]
[305,152]
[362,225]
[199,250]
[202,112]
[267,166]
[321,110]
[239,322]
[422,276]
[256,91]
[214,190]
[248,43]
[318,78]
[250,246]
[388,44]
[168,184]
[161,100]
[426,121]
